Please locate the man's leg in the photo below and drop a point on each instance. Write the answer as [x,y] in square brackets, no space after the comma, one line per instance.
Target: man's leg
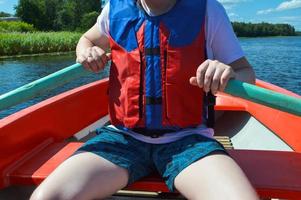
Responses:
[215,176]
[83,176]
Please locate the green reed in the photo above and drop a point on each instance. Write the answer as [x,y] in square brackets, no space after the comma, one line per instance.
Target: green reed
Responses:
[15,26]
[37,42]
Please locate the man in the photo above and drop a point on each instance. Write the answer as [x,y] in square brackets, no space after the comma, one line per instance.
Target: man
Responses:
[166,55]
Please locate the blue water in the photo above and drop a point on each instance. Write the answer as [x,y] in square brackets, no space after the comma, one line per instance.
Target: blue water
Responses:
[275,59]
[17,72]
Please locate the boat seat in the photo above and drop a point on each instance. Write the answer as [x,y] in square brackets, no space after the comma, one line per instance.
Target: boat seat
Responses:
[273,174]
[225,141]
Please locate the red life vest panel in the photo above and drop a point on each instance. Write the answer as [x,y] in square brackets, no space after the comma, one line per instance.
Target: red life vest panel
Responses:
[181,49]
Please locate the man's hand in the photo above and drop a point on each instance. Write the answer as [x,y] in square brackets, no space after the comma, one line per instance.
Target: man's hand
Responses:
[93,58]
[212,75]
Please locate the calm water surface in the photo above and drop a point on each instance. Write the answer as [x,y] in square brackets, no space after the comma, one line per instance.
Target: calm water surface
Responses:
[17,72]
[276,60]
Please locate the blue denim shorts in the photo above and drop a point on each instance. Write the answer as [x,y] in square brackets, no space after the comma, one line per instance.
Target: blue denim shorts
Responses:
[141,159]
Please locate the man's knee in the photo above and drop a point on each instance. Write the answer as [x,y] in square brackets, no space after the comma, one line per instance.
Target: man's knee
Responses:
[43,193]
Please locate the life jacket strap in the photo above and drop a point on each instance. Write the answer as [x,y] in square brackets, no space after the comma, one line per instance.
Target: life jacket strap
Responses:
[210,101]
[153,133]
[153,100]
[152,51]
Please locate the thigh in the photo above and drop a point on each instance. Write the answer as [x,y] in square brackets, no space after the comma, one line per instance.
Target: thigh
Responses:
[215,176]
[172,158]
[83,176]
[103,165]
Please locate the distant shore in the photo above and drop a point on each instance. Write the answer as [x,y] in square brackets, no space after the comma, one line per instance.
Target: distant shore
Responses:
[37,54]
[72,50]
[263,29]
[276,36]
[20,39]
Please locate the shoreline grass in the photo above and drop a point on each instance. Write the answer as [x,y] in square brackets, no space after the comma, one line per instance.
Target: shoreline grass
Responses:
[18,44]
[38,54]
[14,44]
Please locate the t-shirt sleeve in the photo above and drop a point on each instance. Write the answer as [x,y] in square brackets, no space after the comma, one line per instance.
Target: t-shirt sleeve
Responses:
[103,21]
[221,41]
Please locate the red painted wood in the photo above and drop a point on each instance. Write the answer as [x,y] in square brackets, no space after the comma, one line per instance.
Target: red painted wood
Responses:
[273,173]
[55,119]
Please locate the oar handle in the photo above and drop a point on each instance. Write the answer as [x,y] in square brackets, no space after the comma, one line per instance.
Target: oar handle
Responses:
[41,86]
[264,96]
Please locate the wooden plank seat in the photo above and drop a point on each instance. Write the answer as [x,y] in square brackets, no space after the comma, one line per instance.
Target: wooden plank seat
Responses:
[273,174]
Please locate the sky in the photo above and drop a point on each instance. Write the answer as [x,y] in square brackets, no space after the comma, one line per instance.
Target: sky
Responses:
[272,11]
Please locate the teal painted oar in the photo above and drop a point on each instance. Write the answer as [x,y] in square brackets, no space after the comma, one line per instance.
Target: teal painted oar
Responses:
[236,88]
[265,97]
[41,86]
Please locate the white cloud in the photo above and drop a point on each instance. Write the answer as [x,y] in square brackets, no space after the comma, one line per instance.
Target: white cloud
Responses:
[267,11]
[232,15]
[287,5]
[231,1]
[229,4]
[235,17]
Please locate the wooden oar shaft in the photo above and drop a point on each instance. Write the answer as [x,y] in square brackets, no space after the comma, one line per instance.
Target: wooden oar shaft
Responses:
[264,96]
[41,86]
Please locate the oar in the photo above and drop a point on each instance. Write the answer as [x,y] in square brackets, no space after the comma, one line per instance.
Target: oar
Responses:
[41,86]
[264,96]
[236,88]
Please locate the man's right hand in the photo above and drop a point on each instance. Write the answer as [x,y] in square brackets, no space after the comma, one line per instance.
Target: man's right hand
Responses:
[93,58]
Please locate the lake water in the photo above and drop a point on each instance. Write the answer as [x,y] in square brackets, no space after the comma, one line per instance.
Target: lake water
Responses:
[275,59]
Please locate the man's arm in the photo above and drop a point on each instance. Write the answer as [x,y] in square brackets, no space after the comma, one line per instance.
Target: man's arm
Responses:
[243,69]
[90,50]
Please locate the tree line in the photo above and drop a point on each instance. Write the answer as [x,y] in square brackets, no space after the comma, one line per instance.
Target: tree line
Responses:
[262,29]
[58,15]
[79,15]
[4,14]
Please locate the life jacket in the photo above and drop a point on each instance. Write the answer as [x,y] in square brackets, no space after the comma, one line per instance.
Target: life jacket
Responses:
[153,59]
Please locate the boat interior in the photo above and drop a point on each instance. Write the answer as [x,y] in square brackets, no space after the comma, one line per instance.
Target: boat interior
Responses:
[268,154]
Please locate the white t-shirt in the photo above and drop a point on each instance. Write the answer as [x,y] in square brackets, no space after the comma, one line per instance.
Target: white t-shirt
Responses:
[221,44]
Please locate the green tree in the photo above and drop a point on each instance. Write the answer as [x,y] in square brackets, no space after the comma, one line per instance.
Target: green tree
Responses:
[88,20]
[56,14]
[84,9]
[66,16]
[262,29]
[32,12]
[51,10]
[4,14]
